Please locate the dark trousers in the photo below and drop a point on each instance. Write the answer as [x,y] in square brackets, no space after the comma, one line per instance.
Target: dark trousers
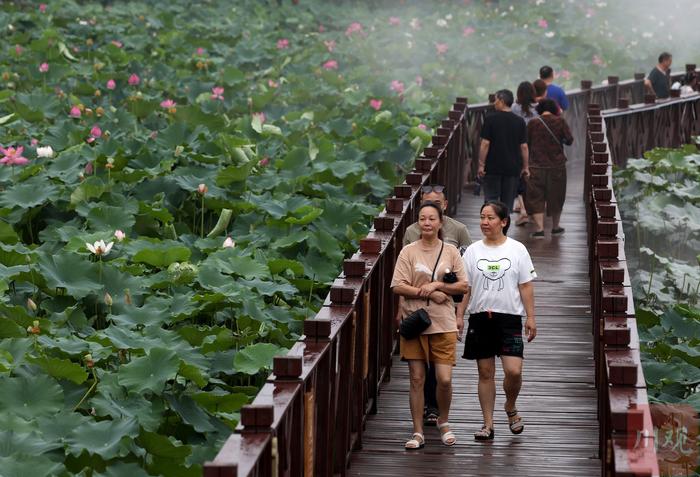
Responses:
[430,387]
[503,188]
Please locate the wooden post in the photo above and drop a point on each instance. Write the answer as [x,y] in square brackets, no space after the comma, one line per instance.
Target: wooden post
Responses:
[309,443]
[365,346]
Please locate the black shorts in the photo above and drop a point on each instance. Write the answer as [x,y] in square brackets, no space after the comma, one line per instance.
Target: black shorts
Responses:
[498,335]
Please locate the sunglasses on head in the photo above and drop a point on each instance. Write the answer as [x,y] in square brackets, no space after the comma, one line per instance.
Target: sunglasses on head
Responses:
[433,188]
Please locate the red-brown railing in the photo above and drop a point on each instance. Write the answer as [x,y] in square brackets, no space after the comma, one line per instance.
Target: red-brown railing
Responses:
[627,444]
[310,415]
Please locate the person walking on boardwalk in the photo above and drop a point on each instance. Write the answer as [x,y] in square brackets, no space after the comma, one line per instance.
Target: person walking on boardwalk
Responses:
[503,155]
[659,79]
[455,233]
[524,106]
[554,91]
[418,278]
[546,188]
[499,273]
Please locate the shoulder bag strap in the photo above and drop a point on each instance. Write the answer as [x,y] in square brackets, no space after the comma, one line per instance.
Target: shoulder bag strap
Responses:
[437,262]
[550,132]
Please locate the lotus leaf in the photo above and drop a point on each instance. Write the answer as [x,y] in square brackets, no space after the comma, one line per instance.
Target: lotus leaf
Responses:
[61,368]
[30,398]
[29,465]
[107,438]
[255,357]
[150,372]
[74,273]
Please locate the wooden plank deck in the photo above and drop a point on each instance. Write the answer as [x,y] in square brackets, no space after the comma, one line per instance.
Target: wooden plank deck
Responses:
[558,398]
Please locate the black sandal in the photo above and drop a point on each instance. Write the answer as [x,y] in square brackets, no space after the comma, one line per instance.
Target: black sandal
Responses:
[430,417]
[485,434]
[515,422]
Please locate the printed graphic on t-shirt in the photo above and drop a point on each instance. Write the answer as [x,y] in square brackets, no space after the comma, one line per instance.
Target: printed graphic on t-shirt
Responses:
[422,268]
[493,270]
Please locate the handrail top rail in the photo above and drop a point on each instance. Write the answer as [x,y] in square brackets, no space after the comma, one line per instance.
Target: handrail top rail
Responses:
[641,107]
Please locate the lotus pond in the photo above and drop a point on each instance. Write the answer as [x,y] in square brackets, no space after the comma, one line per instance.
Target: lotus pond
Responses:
[180,183]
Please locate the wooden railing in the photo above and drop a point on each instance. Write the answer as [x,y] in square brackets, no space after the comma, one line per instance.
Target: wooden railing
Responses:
[627,444]
[310,415]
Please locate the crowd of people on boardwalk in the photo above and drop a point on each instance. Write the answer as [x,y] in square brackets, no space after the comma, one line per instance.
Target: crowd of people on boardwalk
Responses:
[441,274]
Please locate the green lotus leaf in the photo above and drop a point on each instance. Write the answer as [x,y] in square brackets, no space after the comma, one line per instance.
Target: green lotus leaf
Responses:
[173,136]
[29,465]
[150,314]
[256,357]
[193,373]
[292,238]
[236,173]
[12,443]
[61,368]
[112,400]
[163,254]
[221,401]
[160,445]
[150,372]
[230,261]
[681,326]
[30,397]
[105,217]
[107,438]
[75,273]
[7,233]
[211,279]
[656,373]
[172,468]
[120,469]
[279,265]
[30,193]
[10,329]
[192,414]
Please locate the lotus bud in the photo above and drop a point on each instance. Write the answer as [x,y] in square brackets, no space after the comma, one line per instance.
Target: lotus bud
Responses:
[229,243]
[35,323]
[89,362]
[108,299]
[127,296]
[31,305]
[110,163]
[6,76]
[178,150]
[202,189]
[99,111]
[119,235]
[89,42]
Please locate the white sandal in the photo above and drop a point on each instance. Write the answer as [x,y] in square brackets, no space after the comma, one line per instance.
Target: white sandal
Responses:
[417,441]
[448,438]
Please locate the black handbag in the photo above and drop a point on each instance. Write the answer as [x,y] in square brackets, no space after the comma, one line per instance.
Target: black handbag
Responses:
[417,322]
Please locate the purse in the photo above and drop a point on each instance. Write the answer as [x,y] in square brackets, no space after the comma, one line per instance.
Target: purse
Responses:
[417,322]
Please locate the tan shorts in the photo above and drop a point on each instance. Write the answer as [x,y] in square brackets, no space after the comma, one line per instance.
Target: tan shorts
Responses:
[546,189]
[438,348]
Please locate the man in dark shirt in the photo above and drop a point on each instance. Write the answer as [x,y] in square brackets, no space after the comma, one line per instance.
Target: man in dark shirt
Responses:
[554,91]
[659,79]
[503,156]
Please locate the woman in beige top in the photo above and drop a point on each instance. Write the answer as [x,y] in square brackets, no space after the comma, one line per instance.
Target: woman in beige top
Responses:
[412,280]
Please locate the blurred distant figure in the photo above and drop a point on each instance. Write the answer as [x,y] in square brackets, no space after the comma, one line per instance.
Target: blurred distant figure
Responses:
[659,79]
[690,82]
[503,154]
[524,107]
[553,91]
[540,90]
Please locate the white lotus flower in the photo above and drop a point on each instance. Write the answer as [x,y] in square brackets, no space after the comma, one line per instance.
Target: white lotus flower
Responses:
[44,151]
[441,22]
[229,243]
[99,248]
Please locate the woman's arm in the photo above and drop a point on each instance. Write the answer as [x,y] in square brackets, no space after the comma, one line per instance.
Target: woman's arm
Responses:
[407,291]
[527,295]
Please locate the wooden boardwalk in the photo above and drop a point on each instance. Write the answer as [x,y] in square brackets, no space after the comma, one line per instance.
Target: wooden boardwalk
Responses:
[558,399]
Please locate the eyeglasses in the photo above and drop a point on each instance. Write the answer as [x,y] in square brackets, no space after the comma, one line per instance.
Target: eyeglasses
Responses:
[433,188]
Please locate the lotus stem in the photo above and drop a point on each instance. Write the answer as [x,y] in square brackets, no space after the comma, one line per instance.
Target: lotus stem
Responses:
[201,231]
[94,384]
[651,278]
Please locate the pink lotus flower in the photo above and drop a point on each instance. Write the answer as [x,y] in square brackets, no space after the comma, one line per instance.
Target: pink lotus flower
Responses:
[42,7]
[566,74]
[13,157]
[167,104]
[419,80]
[330,65]
[542,23]
[321,28]
[354,27]
[119,235]
[117,43]
[441,48]
[44,67]
[75,112]
[134,79]
[200,51]
[376,104]
[260,116]
[96,132]
[228,243]
[468,31]
[397,86]
[111,84]
[415,24]
[89,169]
[394,21]
[272,84]
[282,44]
[202,189]
[217,92]
[423,127]
[330,45]
[264,161]
[34,141]
[597,60]
[18,50]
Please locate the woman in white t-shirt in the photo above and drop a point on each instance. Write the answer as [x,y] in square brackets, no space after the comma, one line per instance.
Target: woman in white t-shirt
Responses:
[500,272]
